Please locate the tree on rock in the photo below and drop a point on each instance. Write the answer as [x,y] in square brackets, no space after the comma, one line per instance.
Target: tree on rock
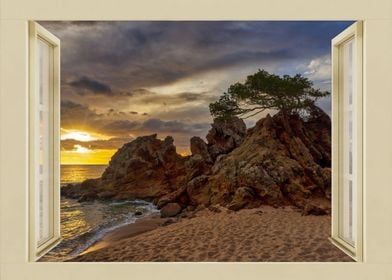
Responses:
[262,91]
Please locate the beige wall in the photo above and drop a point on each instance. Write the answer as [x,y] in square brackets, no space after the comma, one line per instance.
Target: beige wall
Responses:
[377,16]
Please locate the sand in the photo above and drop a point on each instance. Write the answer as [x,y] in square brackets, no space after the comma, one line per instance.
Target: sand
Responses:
[140,226]
[251,235]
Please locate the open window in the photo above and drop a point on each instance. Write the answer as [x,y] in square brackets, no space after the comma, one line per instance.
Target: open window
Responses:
[44,196]
[347,226]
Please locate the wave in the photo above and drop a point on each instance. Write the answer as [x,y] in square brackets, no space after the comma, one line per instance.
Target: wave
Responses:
[85,223]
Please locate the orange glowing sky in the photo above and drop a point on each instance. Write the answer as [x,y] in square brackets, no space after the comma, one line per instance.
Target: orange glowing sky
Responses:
[83,154]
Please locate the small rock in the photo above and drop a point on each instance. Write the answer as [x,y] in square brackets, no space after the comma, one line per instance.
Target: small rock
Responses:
[170,210]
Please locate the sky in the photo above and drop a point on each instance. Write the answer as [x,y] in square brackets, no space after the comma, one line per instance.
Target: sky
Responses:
[121,80]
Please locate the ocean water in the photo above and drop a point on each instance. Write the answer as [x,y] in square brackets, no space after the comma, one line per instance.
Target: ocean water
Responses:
[84,223]
[79,173]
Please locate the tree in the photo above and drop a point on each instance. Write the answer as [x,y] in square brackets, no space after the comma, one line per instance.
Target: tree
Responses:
[262,91]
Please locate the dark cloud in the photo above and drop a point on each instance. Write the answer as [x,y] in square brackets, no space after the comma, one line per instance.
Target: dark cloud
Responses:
[144,54]
[174,126]
[124,127]
[120,127]
[113,72]
[86,83]
[76,115]
[246,57]
[149,97]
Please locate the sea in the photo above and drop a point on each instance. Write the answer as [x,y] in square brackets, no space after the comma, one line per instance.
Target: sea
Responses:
[84,223]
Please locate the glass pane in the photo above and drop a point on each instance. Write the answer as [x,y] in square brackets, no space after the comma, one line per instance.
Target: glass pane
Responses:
[348,201]
[43,143]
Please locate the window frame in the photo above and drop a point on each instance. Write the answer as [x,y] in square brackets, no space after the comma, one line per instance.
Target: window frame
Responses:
[36,33]
[355,32]
[15,15]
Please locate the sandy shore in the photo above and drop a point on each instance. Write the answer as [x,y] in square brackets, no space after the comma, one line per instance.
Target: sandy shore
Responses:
[255,235]
[139,227]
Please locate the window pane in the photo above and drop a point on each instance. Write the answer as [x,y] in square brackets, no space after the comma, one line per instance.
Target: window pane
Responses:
[43,231]
[348,202]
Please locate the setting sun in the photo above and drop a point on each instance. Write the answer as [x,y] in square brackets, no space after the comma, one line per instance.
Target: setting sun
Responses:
[82,136]
[83,152]
[78,135]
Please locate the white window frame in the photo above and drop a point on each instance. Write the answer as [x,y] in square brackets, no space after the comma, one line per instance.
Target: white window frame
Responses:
[15,14]
[355,32]
[36,33]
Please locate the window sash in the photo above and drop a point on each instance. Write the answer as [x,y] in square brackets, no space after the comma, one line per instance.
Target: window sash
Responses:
[347,201]
[44,145]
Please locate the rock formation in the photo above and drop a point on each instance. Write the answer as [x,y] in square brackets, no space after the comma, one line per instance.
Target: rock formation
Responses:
[282,160]
[225,135]
[145,168]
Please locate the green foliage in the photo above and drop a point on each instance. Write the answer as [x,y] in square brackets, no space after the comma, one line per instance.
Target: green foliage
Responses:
[262,91]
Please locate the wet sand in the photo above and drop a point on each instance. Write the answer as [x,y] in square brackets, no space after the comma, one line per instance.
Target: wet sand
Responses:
[124,232]
[251,235]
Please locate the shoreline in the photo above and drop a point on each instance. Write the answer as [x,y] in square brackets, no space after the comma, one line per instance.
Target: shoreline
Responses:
[264,234]
[140,226]
[82,230]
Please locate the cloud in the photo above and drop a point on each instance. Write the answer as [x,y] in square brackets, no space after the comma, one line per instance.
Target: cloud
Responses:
[319,71]
[112,143]
[123,125]
[76,115]
[184,98]
[129,78]
[86,83]
[119,127]
[173,126]
[140,54]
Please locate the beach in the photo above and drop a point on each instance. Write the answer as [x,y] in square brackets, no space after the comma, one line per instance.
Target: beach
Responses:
[263,234]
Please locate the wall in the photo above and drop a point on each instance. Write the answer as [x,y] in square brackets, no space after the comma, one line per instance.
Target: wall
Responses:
[14,134]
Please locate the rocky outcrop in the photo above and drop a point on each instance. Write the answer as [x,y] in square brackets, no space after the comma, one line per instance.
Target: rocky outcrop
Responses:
[145,168]
[199,147]
[283,159]
[225,135]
